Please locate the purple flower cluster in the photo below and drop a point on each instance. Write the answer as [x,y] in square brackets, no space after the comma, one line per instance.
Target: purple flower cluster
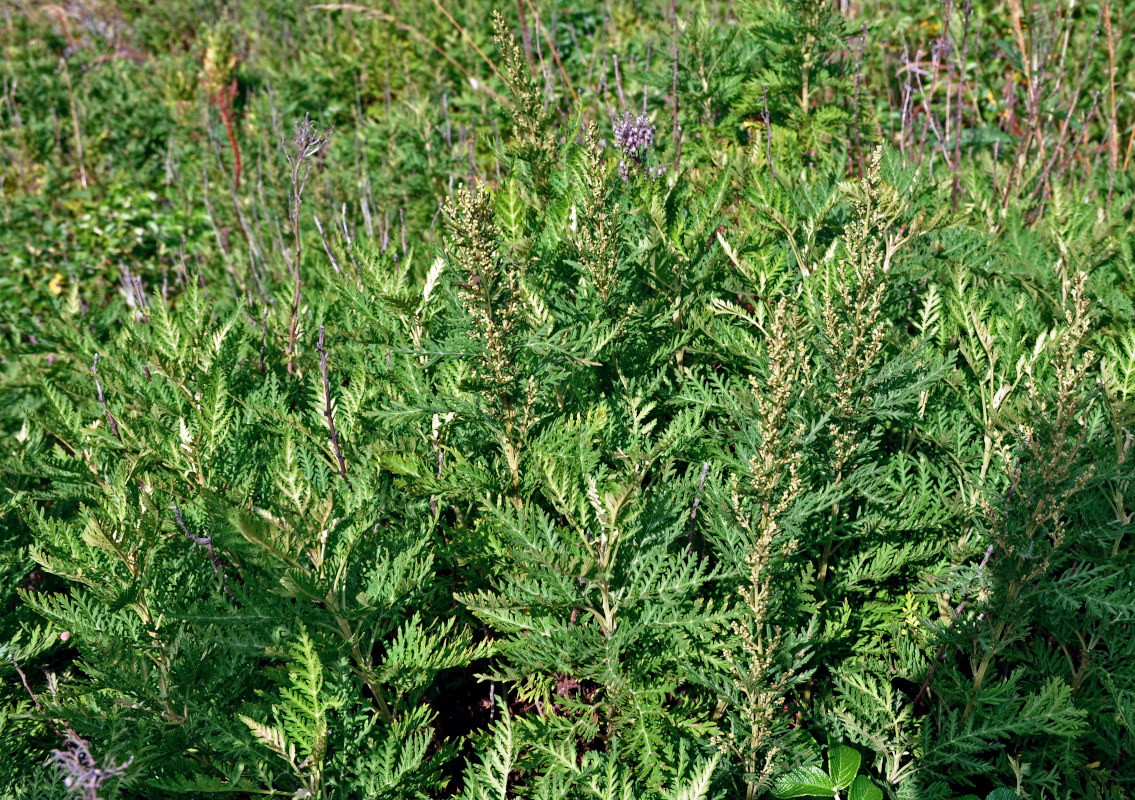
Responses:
[634,136]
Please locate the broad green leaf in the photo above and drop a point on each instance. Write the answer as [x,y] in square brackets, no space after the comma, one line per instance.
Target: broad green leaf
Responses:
[843,765]
[863,788]
[804,782]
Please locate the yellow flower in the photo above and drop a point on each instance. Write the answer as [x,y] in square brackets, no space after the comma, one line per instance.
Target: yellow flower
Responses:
[55,285]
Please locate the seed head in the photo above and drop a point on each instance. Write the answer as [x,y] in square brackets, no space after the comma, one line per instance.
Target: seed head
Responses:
[82,775]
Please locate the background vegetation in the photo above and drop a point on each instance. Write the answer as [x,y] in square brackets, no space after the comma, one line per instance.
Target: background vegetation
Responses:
[628,399]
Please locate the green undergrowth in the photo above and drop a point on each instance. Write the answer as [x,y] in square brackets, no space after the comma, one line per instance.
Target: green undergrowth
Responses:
[409,400]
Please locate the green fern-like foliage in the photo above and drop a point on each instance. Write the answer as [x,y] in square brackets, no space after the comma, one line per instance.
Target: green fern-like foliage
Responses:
[523,422]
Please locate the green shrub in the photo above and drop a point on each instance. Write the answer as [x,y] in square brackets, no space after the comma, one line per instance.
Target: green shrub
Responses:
[482,438]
